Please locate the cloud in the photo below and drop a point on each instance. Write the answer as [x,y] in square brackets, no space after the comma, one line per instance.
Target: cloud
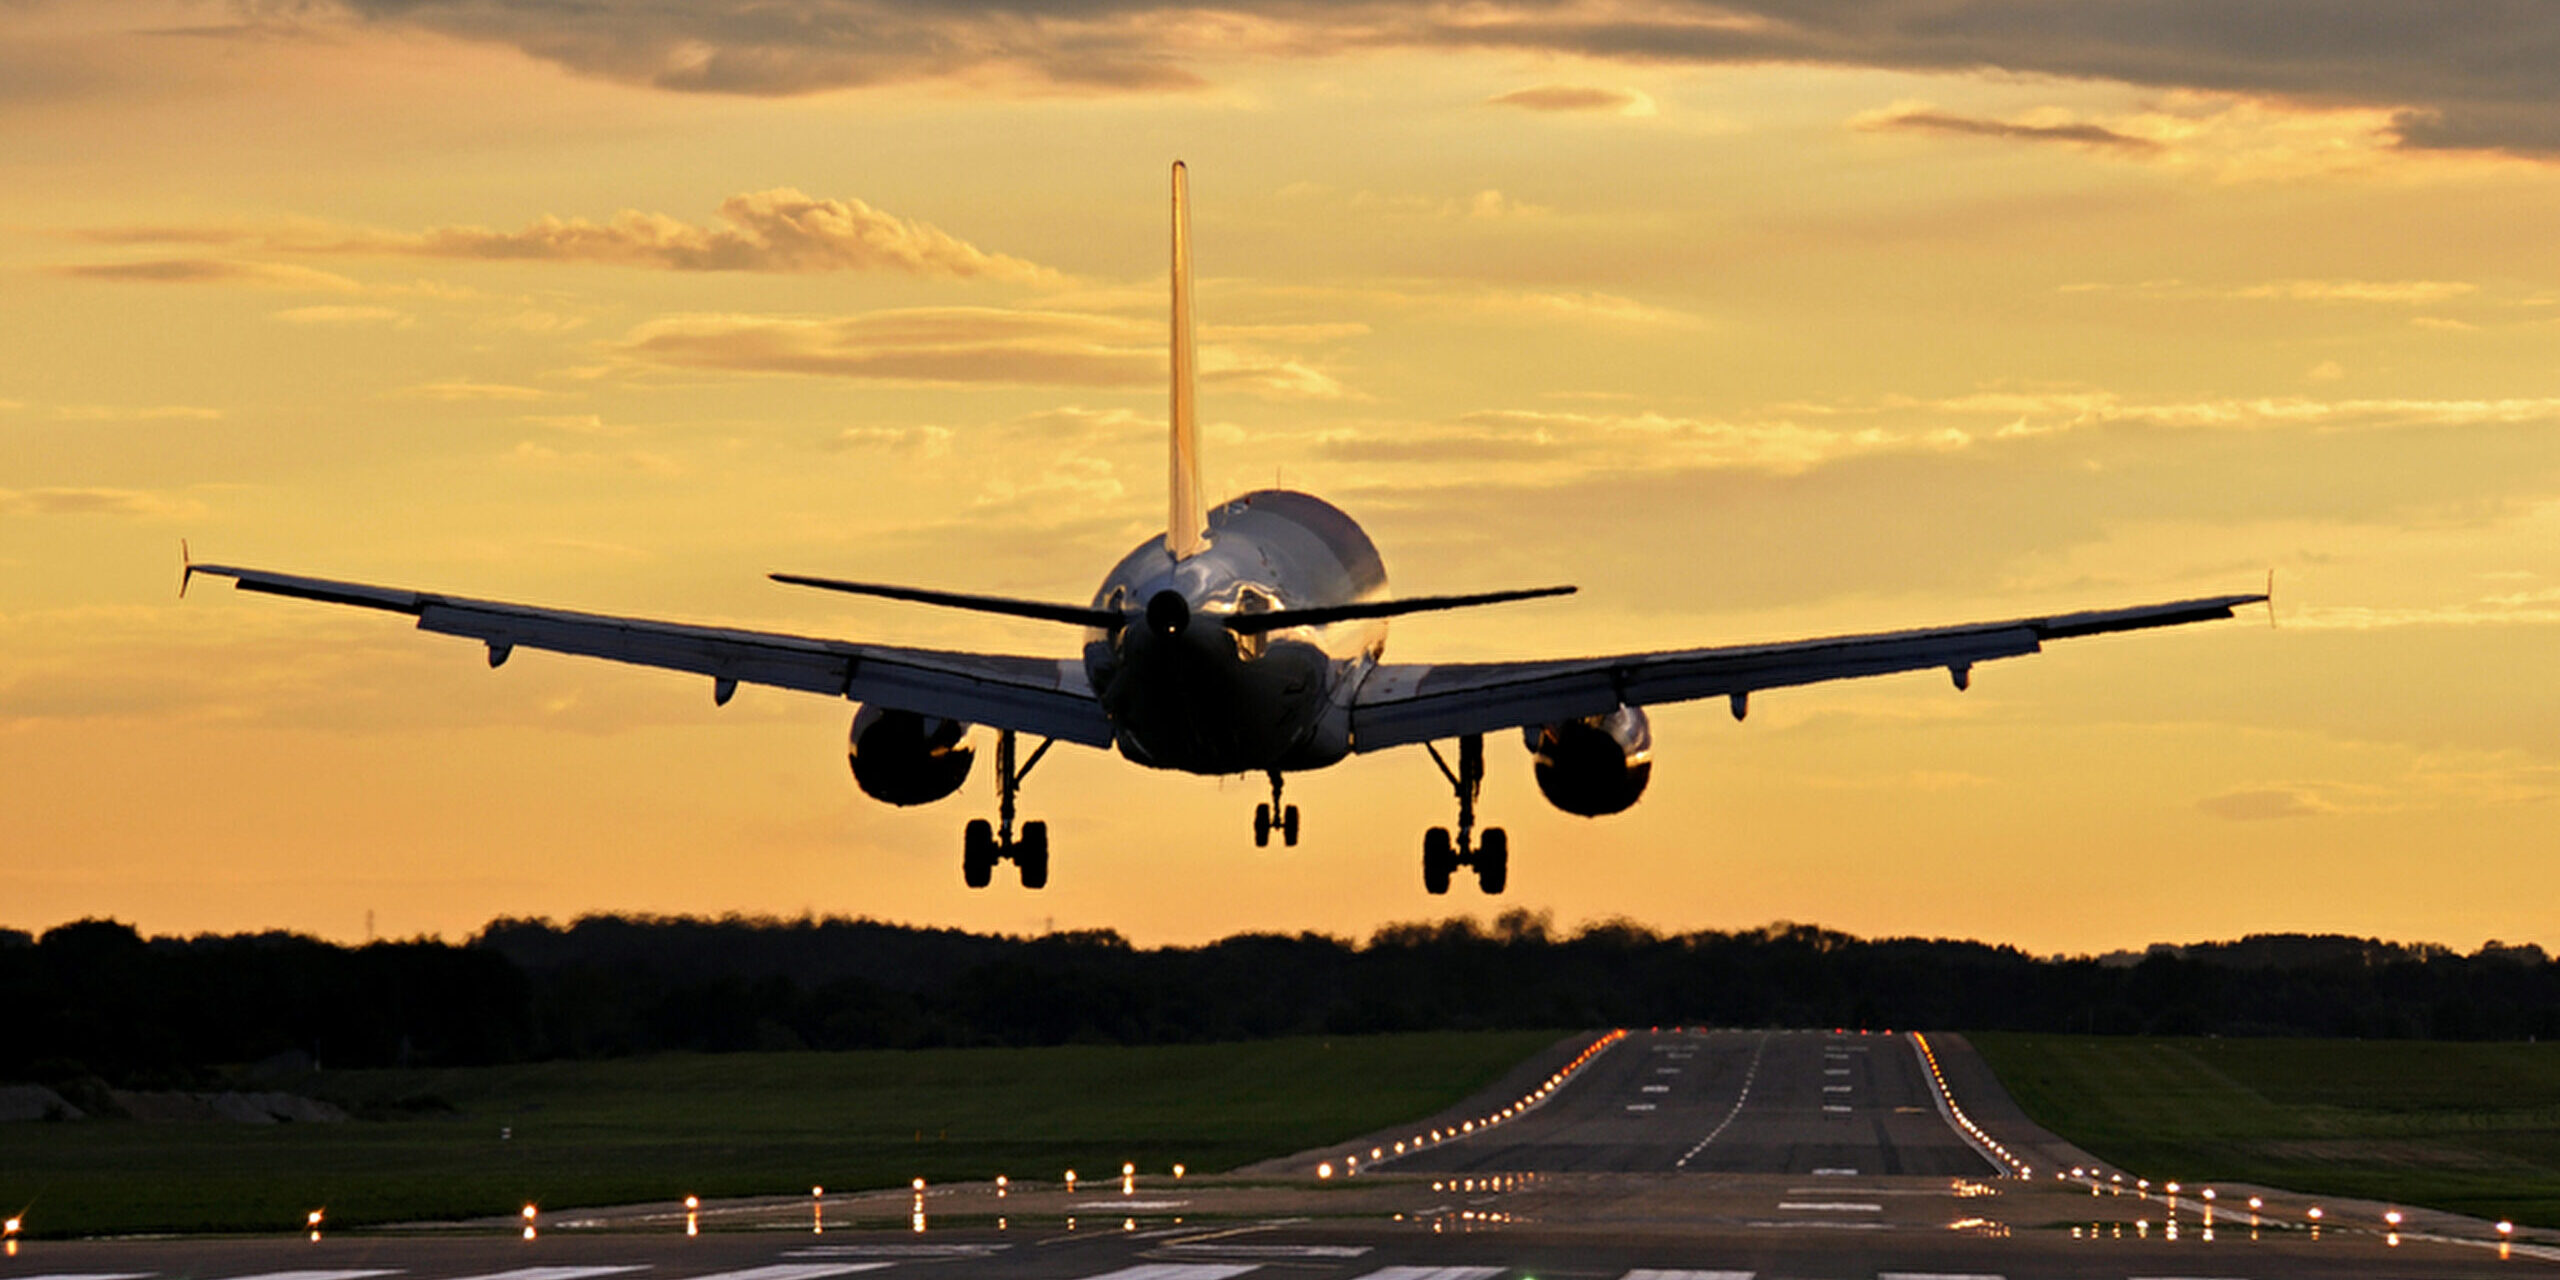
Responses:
[780,230]
[344,316]
[146,413]
[462,392]
[1930,121]
[939,345]
[1575,97]
[263,275]
[2523,608]
[953,346]
[129,503]
[2265,805]
[2469,74]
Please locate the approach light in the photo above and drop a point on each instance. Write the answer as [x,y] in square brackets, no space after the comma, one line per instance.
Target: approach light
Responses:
[2506,1228]
[2314,1215]
[1325,1170]
[692,1203]
[2392,1217]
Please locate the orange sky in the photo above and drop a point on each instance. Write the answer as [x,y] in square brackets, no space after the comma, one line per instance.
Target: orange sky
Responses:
[1755,321]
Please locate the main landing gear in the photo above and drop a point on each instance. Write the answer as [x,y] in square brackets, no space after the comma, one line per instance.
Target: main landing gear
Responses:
[983,846]
[1441,856]
[1271,817]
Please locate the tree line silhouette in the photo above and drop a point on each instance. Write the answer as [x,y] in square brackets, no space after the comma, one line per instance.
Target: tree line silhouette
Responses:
[97,1001]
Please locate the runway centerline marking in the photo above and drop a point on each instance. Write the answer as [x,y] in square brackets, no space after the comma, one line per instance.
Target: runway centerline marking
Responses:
[1936,1275]
[1654,1273]
[90,1275]
[1839,1109]
[1828,1206]
[1839,1173]
[1276,1251]
[1433,1273]
[1657,1088]
[1835,1088]
[897,1252]
[1749,1074]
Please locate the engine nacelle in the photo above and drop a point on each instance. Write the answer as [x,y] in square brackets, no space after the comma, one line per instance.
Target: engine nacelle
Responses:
[1594,766]
[904,758]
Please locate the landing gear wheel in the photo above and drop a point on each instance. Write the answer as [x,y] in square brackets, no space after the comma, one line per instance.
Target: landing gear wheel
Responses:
[1493,860]
[1262,826]
[978,854]
[1031,855]
[1289,826]
[1439,858]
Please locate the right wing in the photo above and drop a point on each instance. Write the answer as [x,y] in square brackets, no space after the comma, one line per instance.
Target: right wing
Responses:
[1412,702]
[1044,696]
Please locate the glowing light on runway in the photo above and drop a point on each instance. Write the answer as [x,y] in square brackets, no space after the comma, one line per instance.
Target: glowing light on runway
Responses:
[529,1222]
[1325,1170]
[693,1215]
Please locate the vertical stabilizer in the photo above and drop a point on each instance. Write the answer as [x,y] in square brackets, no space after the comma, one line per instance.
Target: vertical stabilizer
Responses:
[1186,530]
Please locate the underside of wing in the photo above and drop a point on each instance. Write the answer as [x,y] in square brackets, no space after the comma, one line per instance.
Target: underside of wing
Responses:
[1406,703]
[1047,697]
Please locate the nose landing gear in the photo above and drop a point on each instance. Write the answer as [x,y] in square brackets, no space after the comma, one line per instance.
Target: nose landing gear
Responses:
[1271,817]
[983,846]
[1442,856]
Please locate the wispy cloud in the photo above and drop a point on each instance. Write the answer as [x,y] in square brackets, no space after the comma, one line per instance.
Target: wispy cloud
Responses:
[344,316]
[1577,98]
[2266,804]
[128,503]
[263,275]
[464,392]
[1927,120]
[956,346]
[779,230]
[2522,608]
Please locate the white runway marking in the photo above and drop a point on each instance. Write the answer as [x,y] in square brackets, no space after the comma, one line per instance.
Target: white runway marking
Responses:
[1214,1250]
[1835,1088]
[1934,1275]
[1657,1088]
[1836,1071]
[796,1271]
[896,1252]
[1177,1271]
[1433,1273]
[1650,1273]
[1641,1106]
[520,1273]
[1838,1109]
[320,1275]
[88,1275]
[1816,1224]
[1827,1206]
[1835,1173]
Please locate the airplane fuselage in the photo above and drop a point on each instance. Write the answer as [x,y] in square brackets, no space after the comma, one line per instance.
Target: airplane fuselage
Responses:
[1185,691]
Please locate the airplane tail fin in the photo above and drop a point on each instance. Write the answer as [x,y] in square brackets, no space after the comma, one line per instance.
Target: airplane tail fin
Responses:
[1186,531]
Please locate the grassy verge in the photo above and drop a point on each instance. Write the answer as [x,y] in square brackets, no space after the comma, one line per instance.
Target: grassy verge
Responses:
[2473,1128]
[586,1133]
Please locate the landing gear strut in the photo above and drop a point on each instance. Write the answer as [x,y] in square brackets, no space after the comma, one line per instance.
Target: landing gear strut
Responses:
[983,846]
[1441,856]
[1271,817]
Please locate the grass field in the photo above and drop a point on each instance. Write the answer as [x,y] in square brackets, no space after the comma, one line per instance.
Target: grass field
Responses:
[2473,1128]
[624,1131]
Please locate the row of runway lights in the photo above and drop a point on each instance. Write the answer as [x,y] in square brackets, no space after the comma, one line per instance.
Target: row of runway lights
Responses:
[1466,1128]
[2391,1218]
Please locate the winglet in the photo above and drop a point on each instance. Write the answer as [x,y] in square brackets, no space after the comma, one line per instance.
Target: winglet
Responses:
[2271,598]
[186,568]
[1186,531]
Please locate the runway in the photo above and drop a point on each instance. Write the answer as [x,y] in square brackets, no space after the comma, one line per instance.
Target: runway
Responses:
[1811,1104]
[1720,1155]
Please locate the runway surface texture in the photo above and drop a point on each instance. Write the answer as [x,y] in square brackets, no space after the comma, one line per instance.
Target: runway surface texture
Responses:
[1673,1155]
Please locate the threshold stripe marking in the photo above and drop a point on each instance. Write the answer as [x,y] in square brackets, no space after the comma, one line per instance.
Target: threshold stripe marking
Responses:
[88,1275]
[1654,1273]
[1934,1275]
[896,1252]
[1433,1273]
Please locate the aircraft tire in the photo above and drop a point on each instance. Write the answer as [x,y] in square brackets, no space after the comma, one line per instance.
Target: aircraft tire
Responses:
[1289,826]
[978,854]
[1262,826]
[1031,855]
[1438,860]
[1493,860]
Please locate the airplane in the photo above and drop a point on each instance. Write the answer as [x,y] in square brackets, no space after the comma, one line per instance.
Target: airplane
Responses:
[1247,638]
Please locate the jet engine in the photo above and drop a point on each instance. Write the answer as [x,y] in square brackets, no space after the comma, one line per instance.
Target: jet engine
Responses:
[1596,765]
[904,758]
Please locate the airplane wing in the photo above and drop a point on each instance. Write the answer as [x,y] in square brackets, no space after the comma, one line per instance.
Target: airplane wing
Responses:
[1044,696]
[1406,703]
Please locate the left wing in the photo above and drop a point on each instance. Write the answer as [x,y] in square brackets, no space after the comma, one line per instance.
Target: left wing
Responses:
[1044,696]
[1405,703]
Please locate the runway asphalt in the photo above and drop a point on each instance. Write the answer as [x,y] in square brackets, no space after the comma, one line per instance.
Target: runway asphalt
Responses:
[1673,1155]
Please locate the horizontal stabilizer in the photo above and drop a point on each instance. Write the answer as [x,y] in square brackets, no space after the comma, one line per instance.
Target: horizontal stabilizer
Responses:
[1076,614]
[1325,615]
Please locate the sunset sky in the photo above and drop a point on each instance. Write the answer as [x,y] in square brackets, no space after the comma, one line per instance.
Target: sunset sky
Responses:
[1756,321]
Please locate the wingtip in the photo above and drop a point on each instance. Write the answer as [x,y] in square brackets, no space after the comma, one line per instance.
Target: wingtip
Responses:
[186,568]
